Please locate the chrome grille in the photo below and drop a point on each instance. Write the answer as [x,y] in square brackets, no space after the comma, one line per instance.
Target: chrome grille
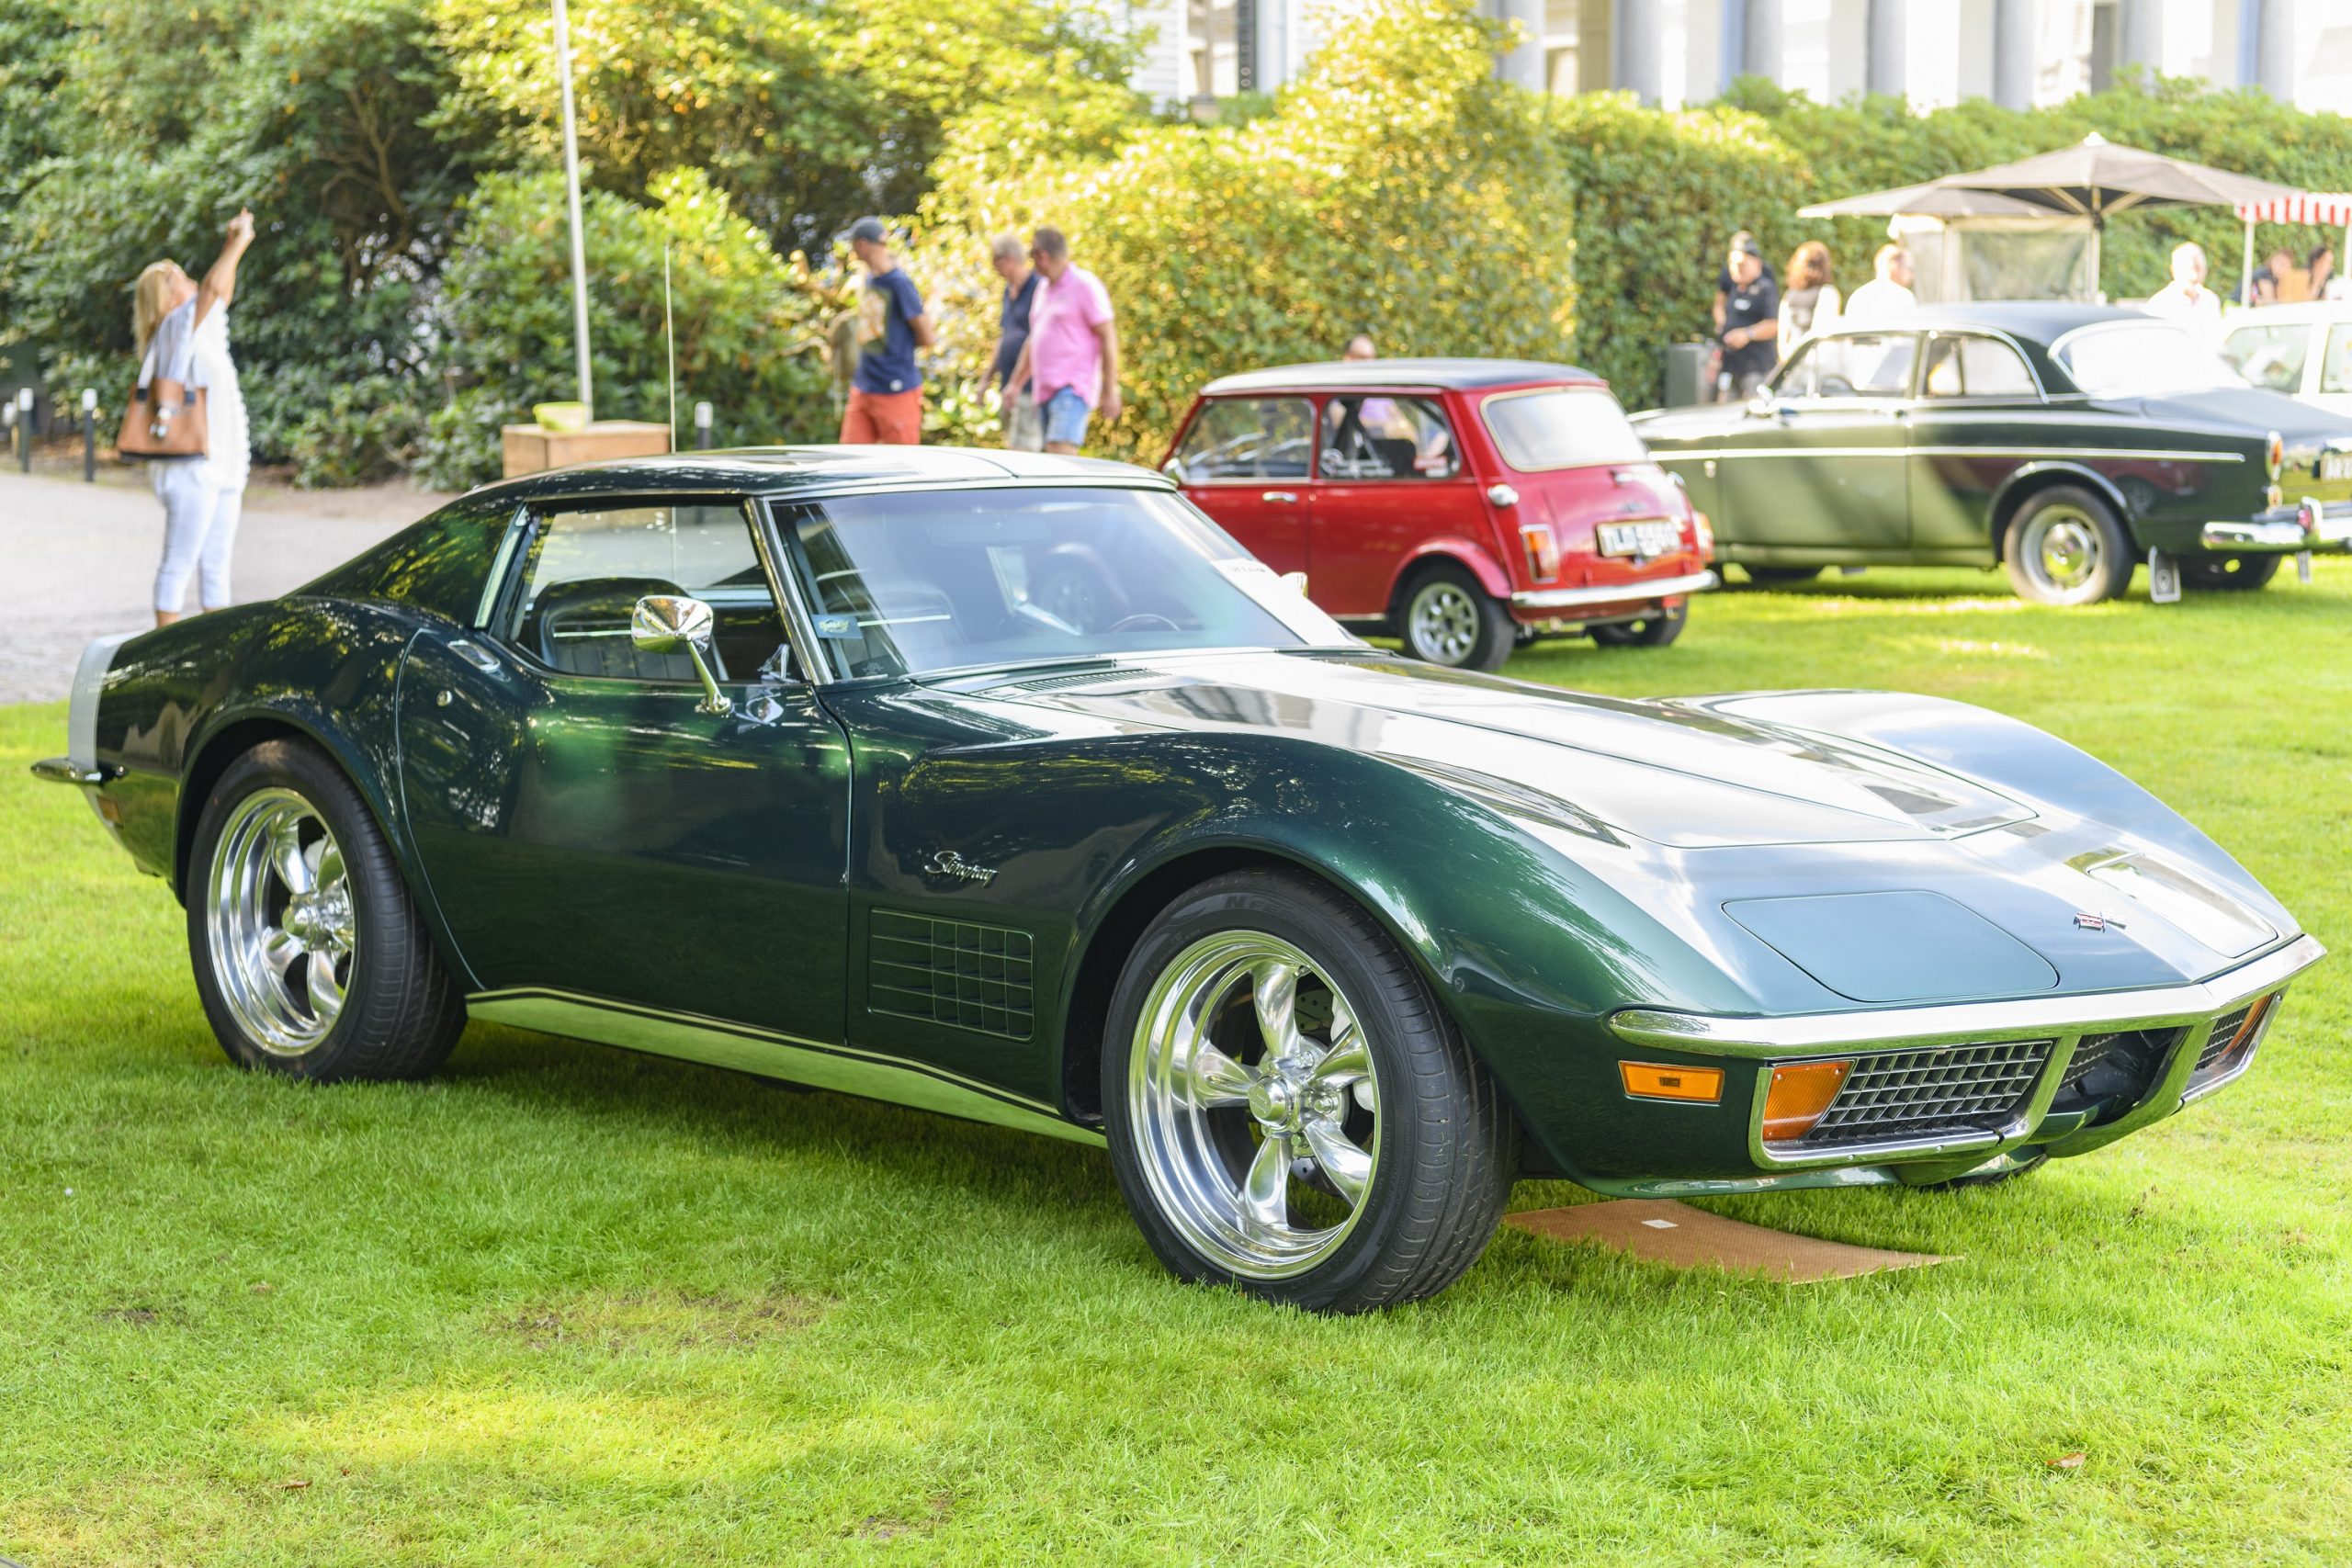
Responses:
[2216,1045]
[1902,1094]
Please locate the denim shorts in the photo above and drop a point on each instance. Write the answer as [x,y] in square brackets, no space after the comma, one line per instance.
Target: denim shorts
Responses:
[1065,416]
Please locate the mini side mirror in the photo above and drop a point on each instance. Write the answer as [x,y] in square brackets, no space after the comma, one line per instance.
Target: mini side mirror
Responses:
[1173,469]
[664,623]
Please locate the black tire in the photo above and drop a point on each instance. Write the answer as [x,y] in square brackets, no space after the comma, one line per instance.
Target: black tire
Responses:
[1780,576]
[1445,617]
[1442,1142]
[400,1011]
[2066,546]
[1987,1178]
[2242,573]
[1657,628]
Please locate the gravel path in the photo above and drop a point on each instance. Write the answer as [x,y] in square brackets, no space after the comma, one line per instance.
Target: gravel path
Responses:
[78,561]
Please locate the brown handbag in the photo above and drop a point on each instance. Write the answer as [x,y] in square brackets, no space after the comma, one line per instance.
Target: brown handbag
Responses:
[166,419]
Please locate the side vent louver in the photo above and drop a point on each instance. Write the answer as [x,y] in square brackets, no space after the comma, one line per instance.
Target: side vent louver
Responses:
[951,972]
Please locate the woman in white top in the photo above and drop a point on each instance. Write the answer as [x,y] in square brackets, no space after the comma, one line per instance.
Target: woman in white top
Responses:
[182,331]
[1808,299]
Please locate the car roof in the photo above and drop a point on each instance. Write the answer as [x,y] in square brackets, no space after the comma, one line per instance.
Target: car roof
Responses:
[2035,321]
[768,470]
[1464,375]
[2302,311]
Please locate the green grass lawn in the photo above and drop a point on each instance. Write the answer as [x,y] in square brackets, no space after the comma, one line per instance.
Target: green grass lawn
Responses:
[570,1305]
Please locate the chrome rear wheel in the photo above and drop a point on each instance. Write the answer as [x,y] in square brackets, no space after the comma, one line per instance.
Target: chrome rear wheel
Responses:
[283,924]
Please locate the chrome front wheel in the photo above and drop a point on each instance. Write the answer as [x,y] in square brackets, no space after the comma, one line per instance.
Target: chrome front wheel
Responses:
[1255,1104]
[284,927]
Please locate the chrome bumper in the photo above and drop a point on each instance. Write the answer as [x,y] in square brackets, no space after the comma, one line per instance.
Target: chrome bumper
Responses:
[65,770]
[1618,593]
[2313,527]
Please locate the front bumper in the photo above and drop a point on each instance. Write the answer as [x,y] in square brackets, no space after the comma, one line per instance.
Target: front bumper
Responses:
[2178,1024]
[1553,601]
[2308,525]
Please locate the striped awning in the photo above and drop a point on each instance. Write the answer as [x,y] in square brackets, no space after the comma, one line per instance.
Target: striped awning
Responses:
[2304,207]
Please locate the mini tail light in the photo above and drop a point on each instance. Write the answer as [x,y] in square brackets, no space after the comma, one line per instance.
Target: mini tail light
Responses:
[1543,550]
[1799,1094]
[1702,536]
[1655,1080]
[2275,452]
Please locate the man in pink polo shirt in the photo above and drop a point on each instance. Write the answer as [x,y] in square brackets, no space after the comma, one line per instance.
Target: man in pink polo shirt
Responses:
[1070,363]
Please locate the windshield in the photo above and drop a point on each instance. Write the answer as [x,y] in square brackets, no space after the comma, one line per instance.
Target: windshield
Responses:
[1562,428]
[916,582]
[2143,360]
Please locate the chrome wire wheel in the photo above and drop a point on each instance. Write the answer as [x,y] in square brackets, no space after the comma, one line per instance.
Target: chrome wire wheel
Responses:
[1441,623]
[2062,550]
[1255,1104]
[281,923]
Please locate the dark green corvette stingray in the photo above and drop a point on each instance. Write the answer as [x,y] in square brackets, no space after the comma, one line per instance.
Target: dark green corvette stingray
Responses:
[1010,787]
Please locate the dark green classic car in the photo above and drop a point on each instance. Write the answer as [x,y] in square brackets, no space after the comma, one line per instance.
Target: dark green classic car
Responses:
[1010,787]
[2065,443]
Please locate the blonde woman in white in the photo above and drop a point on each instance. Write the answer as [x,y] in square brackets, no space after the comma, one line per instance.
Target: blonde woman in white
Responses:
[181,328]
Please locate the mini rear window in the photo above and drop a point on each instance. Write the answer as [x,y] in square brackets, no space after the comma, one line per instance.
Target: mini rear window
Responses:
[1562,427]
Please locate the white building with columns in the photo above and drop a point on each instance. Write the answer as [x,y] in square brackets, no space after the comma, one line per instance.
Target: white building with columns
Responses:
[2018,53]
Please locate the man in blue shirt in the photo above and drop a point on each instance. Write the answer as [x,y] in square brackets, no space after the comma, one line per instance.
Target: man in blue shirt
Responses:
[885,396]
[1024,428]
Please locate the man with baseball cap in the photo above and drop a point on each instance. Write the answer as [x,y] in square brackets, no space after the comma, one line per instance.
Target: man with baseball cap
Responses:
[1751,319]
[885,397]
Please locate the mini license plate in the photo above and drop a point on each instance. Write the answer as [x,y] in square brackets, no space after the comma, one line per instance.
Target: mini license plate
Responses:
[1639,538]
[2335,466]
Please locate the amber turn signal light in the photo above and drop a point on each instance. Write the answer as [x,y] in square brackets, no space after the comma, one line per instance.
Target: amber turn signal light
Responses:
[1651,1080]
[1543,550]
[1799,1093]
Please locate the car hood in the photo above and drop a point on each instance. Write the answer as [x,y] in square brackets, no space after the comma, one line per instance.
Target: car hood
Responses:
[1673,773]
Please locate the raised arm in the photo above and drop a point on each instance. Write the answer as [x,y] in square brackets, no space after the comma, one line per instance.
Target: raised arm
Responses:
[220,285]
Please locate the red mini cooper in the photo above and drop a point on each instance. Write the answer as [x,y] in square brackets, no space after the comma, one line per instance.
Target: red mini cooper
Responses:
[1464,505]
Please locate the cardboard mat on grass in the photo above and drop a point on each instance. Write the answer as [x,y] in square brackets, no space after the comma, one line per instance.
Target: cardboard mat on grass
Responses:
[1658,1230]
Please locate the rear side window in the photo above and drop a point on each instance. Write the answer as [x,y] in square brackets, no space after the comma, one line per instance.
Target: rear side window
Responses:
[1249,438]
[438,566]
[1562,427]
[588,569]
[1975,368]
[2270,356]
[1368,436]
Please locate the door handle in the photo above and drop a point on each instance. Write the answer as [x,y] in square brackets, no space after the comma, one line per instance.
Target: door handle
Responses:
[1287,497]
[475,654]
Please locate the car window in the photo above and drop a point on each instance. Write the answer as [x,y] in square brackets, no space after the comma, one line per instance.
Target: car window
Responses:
[2143,359]
[587,568]
[2335,368]
[1249,438]
[1562,427]
[915,582]
[1975,368]
[1369,436]
[2270,356]
[1861,365]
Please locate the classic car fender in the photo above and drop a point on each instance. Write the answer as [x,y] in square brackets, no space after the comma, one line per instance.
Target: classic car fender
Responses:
[2022,481]
[1467,552]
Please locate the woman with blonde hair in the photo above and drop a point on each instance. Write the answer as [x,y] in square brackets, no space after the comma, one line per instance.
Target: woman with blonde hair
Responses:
[1809,303]
[181,328]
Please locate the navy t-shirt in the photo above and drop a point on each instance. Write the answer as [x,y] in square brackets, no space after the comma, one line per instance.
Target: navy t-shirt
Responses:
[886,334]
[1746,308]
[1013,322]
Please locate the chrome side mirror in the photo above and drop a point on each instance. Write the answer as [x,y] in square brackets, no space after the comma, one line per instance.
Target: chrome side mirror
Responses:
[1173,469]
[664,623]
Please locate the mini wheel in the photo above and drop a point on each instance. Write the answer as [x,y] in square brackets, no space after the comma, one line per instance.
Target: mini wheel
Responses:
[1289,1111]
[2066,546]
[1450,619]
[309,956]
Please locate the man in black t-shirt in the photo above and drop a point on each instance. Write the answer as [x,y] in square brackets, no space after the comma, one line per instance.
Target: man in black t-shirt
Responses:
[1750,321]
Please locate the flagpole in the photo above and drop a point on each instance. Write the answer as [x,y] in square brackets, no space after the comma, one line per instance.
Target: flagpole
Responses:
[571,201]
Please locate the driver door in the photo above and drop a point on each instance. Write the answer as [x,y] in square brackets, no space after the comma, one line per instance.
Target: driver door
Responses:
[588,829]
[1819,475]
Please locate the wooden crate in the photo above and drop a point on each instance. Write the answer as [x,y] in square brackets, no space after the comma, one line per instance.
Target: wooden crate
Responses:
[530,449]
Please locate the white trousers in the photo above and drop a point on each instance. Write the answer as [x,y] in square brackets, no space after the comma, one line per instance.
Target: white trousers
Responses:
[200,533]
